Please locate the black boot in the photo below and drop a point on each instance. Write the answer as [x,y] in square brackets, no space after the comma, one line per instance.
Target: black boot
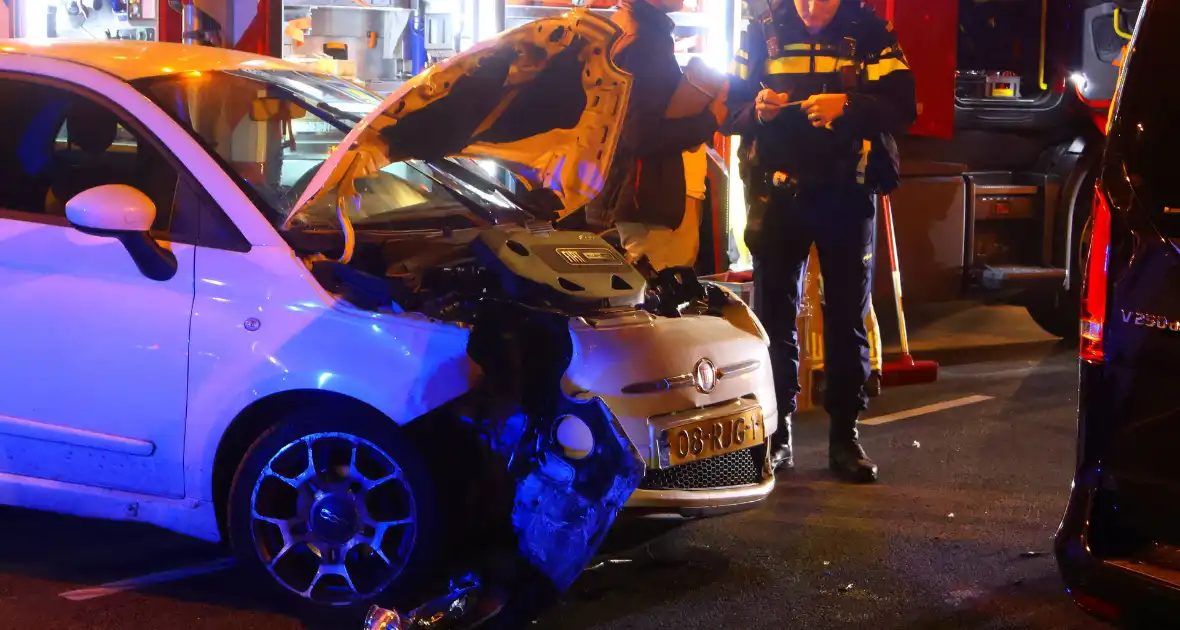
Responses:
[782,453]
[846,457]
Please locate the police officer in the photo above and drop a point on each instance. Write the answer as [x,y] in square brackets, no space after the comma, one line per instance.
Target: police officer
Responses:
[819,89]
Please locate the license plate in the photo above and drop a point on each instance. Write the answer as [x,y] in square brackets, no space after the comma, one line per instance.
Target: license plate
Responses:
[702,439]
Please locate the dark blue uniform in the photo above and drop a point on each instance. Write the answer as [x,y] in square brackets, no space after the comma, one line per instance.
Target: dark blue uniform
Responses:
[823,185]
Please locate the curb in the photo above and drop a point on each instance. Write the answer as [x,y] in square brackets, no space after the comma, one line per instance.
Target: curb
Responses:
[977,354]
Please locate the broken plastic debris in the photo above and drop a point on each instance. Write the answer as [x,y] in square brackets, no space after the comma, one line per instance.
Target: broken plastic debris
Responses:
[1033,554]
[827,563]
[950,515]
[608,561]
[917,444]
[847,587]
[447,609]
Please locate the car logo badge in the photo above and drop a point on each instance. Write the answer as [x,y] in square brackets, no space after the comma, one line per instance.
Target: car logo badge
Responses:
[705,376]
[330,516]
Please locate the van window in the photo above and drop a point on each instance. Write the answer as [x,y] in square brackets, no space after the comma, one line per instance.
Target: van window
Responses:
[1146,131]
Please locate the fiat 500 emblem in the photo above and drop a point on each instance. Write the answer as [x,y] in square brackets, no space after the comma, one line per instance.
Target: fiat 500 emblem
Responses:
[705,376]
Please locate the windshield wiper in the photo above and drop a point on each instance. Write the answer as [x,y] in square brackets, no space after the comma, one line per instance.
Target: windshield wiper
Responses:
[337,112]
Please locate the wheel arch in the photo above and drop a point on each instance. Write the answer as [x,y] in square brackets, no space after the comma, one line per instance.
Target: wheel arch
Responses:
[1077,169]
[261,415]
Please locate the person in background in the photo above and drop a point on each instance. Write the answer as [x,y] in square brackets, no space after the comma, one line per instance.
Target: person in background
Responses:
[819,87]
[655,190]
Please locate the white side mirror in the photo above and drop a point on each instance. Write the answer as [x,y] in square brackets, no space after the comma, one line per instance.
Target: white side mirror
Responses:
[123,213]
[111,208]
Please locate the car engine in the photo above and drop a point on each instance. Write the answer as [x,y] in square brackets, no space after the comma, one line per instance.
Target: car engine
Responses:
[443,276]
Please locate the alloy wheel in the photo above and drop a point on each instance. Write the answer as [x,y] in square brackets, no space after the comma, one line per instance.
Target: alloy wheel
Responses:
[333,518]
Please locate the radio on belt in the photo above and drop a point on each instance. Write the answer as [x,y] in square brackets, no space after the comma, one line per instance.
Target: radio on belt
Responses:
[575,271]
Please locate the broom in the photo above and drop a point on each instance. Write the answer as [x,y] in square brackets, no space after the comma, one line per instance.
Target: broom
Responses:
[904,371]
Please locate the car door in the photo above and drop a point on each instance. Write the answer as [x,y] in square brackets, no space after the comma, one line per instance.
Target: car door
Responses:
[95,353]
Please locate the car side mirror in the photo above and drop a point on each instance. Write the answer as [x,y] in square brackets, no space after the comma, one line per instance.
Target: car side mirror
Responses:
[125,214]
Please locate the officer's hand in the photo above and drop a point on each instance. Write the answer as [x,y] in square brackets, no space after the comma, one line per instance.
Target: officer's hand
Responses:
[769,103]
[822,109]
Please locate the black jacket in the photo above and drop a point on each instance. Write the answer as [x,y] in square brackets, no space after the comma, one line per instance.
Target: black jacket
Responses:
[647,180]
[858,55]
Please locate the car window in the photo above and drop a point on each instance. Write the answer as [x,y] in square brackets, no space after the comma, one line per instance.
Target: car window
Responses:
[275,157]
[57,143]
[1146,130]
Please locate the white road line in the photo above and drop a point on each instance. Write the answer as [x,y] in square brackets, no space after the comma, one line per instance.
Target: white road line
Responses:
[131,584]
[921,411]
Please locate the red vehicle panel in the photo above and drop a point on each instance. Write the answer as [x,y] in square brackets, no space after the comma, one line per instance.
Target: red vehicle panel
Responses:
[928,33]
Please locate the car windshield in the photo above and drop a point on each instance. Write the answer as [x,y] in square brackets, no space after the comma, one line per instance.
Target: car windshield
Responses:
[273,130]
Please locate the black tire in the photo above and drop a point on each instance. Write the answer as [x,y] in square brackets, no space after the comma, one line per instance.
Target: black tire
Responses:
[1058,313]
[266,473]
[1058,317]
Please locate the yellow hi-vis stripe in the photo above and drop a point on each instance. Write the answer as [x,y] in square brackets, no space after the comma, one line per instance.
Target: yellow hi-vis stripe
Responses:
[831,64]
[788,65]
[802,65]
[739,70]
[885,66]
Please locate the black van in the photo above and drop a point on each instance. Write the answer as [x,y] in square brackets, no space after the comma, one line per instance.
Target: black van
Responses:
[1118,546]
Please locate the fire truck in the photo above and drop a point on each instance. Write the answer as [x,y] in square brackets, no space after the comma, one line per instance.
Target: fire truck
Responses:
[997,173]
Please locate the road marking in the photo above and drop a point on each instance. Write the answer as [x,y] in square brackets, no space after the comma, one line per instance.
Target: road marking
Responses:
[134,583]
[921,411]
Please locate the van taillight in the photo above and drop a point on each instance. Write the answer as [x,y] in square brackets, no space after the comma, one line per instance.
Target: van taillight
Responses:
[1094,281]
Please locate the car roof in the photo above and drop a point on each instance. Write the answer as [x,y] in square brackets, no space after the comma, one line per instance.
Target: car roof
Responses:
[130,60]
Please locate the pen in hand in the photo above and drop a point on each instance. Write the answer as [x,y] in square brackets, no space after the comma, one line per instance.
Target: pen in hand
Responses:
[790,104]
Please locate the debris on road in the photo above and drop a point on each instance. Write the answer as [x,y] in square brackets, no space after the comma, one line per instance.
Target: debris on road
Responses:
[608,561]
[847,587]
[1034,554]
[917,444]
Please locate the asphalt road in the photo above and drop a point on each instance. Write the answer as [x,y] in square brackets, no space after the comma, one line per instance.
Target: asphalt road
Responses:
[939,543]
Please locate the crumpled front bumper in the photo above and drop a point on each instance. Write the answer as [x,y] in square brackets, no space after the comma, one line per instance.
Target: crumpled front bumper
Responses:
[641,367]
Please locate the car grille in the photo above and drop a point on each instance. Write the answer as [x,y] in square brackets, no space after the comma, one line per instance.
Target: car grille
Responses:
[739,468]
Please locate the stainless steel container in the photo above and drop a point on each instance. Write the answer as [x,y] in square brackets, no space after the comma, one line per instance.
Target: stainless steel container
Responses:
[373,37]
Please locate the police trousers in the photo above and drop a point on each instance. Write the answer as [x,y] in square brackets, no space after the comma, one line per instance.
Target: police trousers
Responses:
[839,221]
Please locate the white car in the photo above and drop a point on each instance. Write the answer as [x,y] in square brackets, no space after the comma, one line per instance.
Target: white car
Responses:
[244,301]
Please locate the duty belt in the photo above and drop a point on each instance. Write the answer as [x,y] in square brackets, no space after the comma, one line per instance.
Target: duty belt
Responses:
[783,182]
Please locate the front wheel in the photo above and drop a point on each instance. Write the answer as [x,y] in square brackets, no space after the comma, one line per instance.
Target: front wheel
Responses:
[334,510]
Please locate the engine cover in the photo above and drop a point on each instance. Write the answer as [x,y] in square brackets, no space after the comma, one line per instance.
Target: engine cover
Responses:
[576,271]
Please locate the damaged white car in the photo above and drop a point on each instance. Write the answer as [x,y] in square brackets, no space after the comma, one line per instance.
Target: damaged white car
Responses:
[258,304]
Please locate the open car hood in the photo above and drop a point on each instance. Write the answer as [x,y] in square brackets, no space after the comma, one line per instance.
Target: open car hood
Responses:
[544,100]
